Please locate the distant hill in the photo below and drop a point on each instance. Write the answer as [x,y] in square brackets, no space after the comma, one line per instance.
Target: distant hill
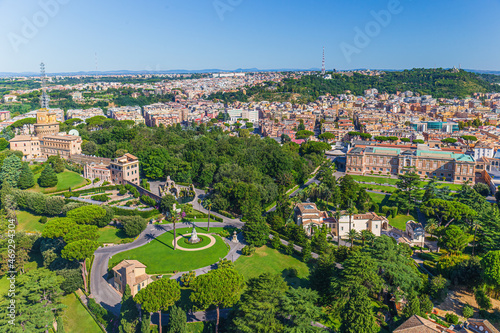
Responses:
[436,82]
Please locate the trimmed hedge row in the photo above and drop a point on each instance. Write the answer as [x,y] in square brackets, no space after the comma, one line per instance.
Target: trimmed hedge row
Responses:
[89,190]
[127,212]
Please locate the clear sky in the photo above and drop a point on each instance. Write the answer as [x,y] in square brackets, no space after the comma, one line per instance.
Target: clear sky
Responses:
[231,34]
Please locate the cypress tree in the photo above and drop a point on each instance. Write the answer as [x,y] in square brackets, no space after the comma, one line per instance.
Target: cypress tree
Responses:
[177,320]
[48,178]
[26,178]
[128,313]
[11,169]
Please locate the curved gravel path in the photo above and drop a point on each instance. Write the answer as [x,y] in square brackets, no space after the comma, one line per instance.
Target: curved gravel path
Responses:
[212,242]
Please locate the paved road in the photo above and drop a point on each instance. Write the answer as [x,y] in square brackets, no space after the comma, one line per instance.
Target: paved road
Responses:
[101,290]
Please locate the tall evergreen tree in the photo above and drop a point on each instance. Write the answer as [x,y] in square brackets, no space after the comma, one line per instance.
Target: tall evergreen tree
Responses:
[357,315]
[177,320]
[128,313]
[145,322]
[256,231]
[11,169]
[412,307]
[26,178]
[48,178]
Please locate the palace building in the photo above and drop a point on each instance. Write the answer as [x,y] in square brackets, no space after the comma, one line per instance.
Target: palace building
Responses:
[427,162]
[47,140]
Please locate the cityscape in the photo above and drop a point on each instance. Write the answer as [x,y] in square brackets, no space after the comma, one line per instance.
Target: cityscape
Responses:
[347,185]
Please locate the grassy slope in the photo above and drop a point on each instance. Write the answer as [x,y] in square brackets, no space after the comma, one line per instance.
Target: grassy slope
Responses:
[268,260]
[159,256]
[76,318]
[66,180]
[110,234]
[29,222]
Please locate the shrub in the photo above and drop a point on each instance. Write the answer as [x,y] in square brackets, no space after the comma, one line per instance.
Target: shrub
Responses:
[122,191]
[43,219]
[394,212]
[438,287]
[451,318]
[467,312]
[187,278]
[248,250]
[482,299]
[385,209]
[105,183]
[148,200]
[100,197]
[96,180]
[87,214]
[127,212]
[133,225]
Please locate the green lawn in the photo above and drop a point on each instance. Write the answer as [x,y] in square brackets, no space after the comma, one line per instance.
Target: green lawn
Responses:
[392,181]
[378,188]
[160,258]
[76,318]
[400,220]
[66,180]
[380,199]
[197,327]
[110,234]
[29,222]
[268,260]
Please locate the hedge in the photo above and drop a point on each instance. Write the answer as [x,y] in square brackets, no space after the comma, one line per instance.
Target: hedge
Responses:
[127,212]
[90,190]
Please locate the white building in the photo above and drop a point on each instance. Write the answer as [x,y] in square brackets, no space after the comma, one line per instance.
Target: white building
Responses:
[368,221]
[483,151]
[415,232]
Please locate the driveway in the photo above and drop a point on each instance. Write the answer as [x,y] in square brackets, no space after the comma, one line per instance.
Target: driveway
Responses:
[102,291]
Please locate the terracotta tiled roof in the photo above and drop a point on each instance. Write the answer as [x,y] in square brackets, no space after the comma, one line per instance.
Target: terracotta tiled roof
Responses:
[417,324]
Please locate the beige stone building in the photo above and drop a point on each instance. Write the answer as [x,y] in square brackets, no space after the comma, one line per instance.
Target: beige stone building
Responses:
[46,123]
[27,144]
[125,168]
[427,163]
[132,273]
[62,144]
[118,171]
[47,140]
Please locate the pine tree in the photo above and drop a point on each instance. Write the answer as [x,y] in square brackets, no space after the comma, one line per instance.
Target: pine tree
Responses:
[177,320]
[145,322]
[256,232]
[128,313]
[26,178]
[357,315]
[412,307]
[11,169]
[48,178]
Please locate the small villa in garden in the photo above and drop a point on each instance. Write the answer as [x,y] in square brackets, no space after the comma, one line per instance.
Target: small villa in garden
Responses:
[133,273]
[310,218]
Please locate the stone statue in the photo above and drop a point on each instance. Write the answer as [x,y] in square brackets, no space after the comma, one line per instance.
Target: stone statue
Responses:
[235,237]
[194,236]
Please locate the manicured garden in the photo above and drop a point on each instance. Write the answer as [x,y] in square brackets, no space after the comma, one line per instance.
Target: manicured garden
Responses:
[110,234]
[76,318]
[400,220]
[393,181]
[378,188]
[160,258]
[29,222]
[268,260]
[380,199]
[65,179]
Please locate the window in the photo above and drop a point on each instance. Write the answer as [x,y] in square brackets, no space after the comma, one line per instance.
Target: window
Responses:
[376,226]
[342,228]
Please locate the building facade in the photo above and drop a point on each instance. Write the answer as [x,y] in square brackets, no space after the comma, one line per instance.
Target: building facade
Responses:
[131,273]
[427,163]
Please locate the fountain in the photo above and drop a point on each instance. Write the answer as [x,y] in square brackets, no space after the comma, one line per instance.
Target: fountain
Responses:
[194,237]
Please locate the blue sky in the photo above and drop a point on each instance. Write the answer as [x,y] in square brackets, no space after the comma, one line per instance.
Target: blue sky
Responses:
[230,34]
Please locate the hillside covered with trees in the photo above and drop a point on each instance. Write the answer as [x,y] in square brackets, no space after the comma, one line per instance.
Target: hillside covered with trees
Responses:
[435,82]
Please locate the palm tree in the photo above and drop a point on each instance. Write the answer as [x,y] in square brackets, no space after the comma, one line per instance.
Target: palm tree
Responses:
[353,234]
[351,211]
[337,216]
[366,235]
[208,206]
[432,227]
